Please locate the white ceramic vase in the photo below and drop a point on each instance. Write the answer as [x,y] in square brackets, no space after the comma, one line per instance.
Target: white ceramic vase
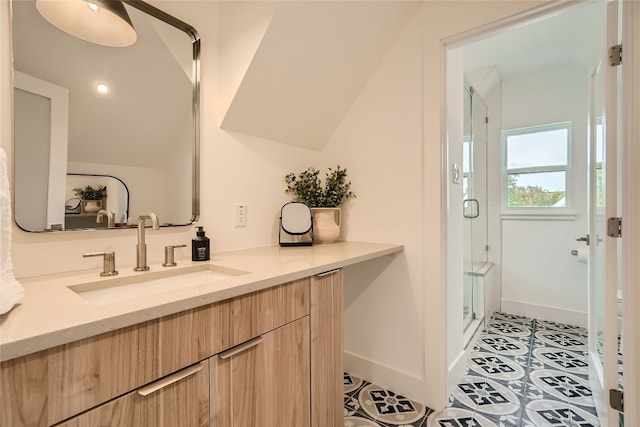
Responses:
[92,206]
[326,224]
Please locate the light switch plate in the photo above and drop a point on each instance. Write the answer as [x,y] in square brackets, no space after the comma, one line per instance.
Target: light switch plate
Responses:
[241,214]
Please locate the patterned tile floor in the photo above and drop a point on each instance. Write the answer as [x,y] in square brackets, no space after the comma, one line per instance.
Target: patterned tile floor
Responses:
[523,373]
[368,405]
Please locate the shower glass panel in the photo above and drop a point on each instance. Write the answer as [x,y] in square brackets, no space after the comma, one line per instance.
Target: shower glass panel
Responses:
[474,193]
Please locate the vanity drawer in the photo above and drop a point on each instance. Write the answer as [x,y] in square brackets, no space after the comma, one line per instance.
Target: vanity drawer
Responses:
[194,335]
[50,386]
[243,318]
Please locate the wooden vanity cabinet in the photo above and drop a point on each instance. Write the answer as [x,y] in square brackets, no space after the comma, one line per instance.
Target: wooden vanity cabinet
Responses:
[178,400]
[292,376]
[327,367]
[291,372]
[264,382]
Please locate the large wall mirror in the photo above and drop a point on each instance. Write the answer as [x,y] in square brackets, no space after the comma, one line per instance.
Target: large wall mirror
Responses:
[141,130]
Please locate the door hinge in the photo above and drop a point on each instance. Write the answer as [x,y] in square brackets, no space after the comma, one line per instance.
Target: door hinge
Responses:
[614,227]
[615,55]
[486,119]
[616,399]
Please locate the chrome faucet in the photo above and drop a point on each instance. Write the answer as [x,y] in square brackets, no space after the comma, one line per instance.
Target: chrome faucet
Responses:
[110,216]
[141,248]
[108,262]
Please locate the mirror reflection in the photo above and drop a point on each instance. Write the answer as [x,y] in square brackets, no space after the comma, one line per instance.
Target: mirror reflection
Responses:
[95,201]
[126,112]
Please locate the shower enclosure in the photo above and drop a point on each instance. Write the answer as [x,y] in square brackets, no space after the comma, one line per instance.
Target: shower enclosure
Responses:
[474,193]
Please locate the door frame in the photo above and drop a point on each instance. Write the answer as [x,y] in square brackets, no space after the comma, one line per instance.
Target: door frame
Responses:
[630,193]
[631,211]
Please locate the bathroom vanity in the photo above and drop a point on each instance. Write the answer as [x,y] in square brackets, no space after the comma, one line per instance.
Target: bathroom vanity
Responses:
[260,347]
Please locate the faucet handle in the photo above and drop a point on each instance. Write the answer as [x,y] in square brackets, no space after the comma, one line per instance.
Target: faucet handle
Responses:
[108,262]
[169,260]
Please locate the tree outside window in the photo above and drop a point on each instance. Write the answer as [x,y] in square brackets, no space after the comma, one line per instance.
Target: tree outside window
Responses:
[537,165]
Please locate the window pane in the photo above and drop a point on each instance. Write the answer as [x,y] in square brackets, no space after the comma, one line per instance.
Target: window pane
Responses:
[541,189]
[465,187]
[599,188]
[466,165]
[599,142]
[546,148]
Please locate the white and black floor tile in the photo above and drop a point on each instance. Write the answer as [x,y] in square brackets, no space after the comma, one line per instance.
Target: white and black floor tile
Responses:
[366,404]
[496,366]
[505,346]
[554,413]
[513,318]
[459,417]
[560,339]
[523,372]
[562,360]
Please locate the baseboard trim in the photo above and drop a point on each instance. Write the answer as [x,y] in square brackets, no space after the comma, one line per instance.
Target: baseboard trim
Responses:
[554,314]
[400,382]
[457,367]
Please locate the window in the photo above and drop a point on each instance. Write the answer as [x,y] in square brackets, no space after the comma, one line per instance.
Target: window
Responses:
[599,156]
[537,166]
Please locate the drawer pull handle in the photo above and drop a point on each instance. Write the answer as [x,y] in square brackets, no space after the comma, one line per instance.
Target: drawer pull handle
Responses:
[173,378]
[327,273]
[240,348]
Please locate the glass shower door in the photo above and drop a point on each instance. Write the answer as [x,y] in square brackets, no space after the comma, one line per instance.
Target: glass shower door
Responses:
[474,190]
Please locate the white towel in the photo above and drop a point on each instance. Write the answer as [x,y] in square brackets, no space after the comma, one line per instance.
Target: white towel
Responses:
[10,289]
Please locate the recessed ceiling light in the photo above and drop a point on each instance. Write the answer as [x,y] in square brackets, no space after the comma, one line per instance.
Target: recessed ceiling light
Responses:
[102,88]
[92,6]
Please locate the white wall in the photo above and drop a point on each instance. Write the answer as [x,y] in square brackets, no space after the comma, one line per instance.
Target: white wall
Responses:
[179,185]
[390,140]
[540,277]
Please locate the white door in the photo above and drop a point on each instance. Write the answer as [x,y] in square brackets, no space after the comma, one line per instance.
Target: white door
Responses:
[604,203]
[41,122]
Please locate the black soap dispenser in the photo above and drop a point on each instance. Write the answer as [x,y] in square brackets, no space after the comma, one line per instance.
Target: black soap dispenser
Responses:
[200,246]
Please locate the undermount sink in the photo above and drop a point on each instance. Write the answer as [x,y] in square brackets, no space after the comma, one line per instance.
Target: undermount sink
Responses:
[118,289]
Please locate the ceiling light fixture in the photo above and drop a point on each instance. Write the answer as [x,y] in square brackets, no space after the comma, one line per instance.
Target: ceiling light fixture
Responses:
[103,22]
[102,88]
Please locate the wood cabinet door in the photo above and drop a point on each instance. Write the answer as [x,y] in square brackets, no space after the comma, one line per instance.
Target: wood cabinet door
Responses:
[177,400]
[264,381]
[327,367]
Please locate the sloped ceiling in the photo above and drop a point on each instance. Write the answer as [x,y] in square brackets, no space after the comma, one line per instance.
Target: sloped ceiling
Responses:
[310,65]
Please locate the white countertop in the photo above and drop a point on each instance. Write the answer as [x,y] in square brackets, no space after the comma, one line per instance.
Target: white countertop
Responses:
[51,314]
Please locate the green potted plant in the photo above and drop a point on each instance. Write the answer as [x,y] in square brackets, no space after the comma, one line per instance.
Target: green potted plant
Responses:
[324,198]
[93,199]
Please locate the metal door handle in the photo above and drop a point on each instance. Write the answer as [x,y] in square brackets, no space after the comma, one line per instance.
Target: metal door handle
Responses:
[475,213]
[240,348]
[171,379]
[327,273]
[583,239]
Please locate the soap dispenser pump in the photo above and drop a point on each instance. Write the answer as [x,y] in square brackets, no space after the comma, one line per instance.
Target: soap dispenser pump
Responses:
[200,246]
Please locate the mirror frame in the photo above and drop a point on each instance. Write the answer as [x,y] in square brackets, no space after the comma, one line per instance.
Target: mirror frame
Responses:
[195,41]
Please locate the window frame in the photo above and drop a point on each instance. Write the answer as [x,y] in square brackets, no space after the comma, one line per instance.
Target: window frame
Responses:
[521,211]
